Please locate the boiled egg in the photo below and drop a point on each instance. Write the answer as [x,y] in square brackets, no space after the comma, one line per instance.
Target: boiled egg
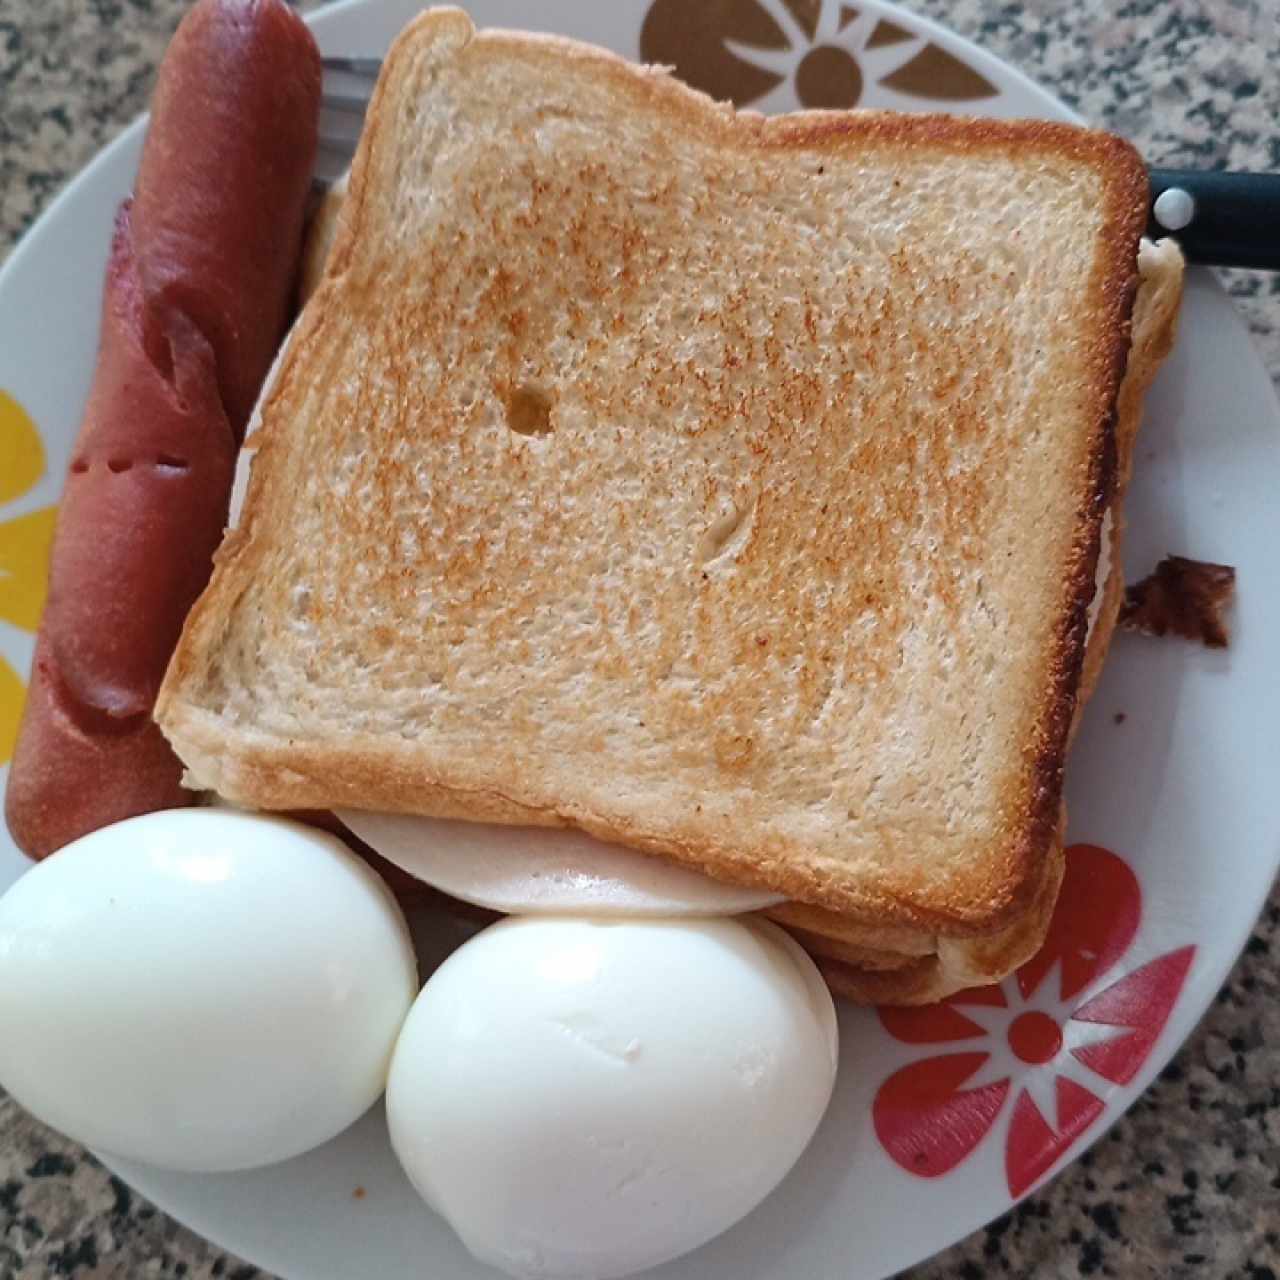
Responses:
[589,1098]
[543,870]
[201,989]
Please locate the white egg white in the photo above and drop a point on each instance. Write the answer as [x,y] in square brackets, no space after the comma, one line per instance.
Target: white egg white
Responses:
[201,989]
[592,1098]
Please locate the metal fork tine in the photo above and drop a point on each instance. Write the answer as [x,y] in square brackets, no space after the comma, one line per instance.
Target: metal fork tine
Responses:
[337,146]
[367,67]
[336,149]
[347,103]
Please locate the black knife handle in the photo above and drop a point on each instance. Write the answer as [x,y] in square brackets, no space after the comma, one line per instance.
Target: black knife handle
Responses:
[1235,217]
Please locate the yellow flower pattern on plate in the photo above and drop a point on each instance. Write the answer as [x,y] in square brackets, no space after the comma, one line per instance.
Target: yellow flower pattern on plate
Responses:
[12,694]
[24,552]
[24,564]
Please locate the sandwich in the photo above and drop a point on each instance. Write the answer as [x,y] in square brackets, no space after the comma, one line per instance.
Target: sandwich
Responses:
[744,491]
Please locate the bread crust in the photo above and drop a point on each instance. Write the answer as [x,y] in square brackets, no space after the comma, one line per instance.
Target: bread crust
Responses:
[263,770]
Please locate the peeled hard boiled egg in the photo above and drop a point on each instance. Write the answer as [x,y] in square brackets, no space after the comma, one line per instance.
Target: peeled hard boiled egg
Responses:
[201,989]
[546,870]
[587,1098]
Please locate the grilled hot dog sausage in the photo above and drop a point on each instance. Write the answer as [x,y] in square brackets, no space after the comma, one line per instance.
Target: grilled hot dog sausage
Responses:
[198,291]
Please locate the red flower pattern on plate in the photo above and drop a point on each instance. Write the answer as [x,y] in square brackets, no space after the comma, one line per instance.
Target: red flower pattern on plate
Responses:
[1038,1045]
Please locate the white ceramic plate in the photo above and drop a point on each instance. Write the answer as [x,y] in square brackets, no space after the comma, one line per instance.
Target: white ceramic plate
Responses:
[1175,801]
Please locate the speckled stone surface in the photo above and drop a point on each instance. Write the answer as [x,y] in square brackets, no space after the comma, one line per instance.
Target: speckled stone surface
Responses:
[1188,1183]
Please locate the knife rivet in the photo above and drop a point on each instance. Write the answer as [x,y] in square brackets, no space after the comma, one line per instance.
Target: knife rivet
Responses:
[1174,208]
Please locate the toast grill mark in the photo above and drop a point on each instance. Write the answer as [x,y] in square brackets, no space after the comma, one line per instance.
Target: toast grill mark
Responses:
[931,1114]
[742,50]
[25,542]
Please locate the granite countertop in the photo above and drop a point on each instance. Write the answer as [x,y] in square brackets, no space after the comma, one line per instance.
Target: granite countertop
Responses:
[1188,1183]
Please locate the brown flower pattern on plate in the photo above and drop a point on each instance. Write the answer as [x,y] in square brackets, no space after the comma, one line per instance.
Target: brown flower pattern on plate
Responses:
[823,51]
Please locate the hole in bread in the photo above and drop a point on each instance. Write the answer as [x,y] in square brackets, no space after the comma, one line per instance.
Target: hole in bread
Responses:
[529,411]
[168,462]
[119,464]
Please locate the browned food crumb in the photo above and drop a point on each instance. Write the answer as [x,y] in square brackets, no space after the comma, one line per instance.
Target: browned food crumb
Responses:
[1182,597]
[358,1193]
[1119,717]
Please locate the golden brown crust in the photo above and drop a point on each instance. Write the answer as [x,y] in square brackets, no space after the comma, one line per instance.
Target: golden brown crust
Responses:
[277,771]
[863,969]
[865,976]
[856,957]
[1115,282]
[818,922]
[1155,326]
[919,982]
[835,927]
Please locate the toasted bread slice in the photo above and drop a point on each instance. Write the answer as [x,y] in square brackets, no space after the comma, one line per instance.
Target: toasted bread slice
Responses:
[904,966]
[887,977]
[900,965]
[728,487]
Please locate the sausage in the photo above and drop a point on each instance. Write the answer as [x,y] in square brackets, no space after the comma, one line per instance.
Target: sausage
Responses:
[198,290]
[223,184]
